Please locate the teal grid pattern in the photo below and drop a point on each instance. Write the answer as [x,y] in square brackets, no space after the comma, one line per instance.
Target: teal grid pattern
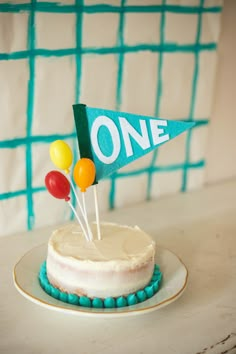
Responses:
[121,49]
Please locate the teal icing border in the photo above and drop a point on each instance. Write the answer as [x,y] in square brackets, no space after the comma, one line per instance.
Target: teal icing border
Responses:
[109,302]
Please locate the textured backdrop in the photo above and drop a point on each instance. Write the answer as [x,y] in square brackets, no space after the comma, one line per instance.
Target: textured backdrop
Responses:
[149,57]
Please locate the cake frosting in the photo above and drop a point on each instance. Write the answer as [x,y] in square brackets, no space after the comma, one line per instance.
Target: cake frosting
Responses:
[119,264]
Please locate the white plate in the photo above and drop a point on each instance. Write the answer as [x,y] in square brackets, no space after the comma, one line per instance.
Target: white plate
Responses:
[174,282]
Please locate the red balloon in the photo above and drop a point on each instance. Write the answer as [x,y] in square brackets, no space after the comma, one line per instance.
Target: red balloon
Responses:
[58,185]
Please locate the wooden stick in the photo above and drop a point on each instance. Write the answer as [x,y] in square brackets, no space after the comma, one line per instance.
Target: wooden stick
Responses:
[97,212]
[76,196]
[78,218]
[83,210]
[86,217]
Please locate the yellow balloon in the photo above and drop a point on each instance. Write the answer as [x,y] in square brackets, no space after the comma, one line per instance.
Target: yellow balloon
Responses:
[84,173]
[61,155]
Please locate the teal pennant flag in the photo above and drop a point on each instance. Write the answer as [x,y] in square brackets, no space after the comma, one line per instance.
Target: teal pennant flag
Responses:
[114,139]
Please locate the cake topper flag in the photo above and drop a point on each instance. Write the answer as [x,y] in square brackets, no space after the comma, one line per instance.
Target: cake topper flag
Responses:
[114,139]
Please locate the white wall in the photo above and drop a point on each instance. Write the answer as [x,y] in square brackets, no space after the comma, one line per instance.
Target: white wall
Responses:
[221,159]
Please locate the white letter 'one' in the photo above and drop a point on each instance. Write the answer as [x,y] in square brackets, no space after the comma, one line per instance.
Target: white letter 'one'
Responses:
[128,130]
[110,125]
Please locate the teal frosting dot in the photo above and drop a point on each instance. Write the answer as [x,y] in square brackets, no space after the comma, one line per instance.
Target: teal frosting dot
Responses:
[141,295]
[55,293]
[109,302]
[97,303]
[47,284]
[121,301]
[63,296]
[48,288]
[149,291]
[132,299]
[85,301]
[156,286]
[156,276]
[73,299]
[44,282]
[43,275]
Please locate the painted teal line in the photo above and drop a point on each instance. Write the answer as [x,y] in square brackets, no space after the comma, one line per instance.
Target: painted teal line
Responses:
[44,139]
[165,48]
[120,58]
[150,9]
[175,167]
[20,192]
[158,99]
[120,42]
[9,195]
[168,47]
[7,7]
[168,168]
[160,64]
[79,33]
[30,107]
[112,191]
[193,100]
[198,122]
[102,8]
[24,54]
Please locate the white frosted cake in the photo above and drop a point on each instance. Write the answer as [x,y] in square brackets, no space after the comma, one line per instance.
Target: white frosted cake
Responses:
[119,264]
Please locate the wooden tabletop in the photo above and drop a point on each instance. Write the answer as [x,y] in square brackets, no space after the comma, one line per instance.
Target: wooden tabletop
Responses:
[200,227]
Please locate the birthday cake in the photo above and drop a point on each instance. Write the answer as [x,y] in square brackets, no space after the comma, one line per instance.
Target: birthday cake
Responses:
[119,264]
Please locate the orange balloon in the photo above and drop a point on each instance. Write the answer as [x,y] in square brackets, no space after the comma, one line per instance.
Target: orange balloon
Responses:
[84,173]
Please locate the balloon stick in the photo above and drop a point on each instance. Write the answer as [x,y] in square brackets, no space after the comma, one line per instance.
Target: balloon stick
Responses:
[86,216]
[97,212]
[83,211]
[78,218]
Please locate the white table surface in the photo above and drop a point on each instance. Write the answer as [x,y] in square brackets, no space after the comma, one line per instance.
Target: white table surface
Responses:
[200,227]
